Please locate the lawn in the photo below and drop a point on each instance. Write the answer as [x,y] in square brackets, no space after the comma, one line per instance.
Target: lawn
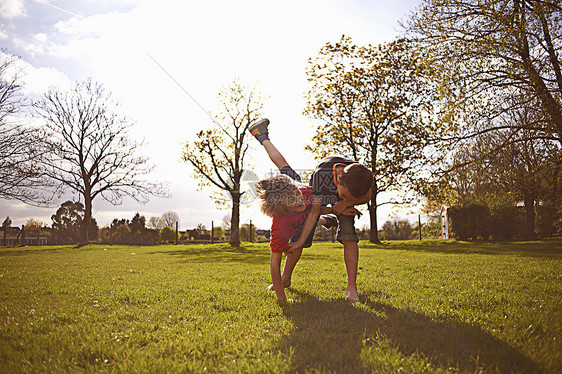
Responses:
[427,306]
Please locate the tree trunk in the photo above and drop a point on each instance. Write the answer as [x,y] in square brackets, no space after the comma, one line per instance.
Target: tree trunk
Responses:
[85,234]
[235,219]
[529,199]
[374,234]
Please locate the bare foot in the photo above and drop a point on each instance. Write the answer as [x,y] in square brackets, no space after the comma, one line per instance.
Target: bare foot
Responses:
[352,296]
[286,284]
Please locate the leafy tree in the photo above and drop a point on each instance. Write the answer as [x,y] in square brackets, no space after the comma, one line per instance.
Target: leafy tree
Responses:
[218,233]
[33,224]
[69,220]
[522,164]
[482,51]
[118,222]
[20,175]
[167,234]
[6,224]
[248,233]
[114,228]
[170,219]
[138,228]
[218,154]
[156,223]
[137,224]
[528,169]
[87,148]
[397,229]
[375,104]
[194,234]
[122,234]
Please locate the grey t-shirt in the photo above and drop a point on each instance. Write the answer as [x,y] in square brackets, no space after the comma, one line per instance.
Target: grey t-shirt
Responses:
[322,179]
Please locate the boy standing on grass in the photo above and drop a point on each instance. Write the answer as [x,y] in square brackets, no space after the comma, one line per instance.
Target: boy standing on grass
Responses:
[344,183]
[295,213]
[341,183]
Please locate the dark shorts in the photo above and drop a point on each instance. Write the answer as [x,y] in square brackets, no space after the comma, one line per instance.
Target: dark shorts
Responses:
[288,171]
[346,229]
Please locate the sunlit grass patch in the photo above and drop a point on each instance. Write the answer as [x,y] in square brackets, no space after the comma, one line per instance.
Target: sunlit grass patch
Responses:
[425,307]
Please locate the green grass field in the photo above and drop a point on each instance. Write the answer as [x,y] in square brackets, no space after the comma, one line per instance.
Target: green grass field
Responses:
[425,307]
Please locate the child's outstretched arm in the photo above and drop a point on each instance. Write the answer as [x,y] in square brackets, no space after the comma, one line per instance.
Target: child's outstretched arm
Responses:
[275,269]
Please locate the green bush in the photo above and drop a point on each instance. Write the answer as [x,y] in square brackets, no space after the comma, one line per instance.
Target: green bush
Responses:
[167,234]
[432,229]
[470,221]
[122,234]
[503,222]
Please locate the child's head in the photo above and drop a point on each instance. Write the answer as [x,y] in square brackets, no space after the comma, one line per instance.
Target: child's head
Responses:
[279,195]
[357,179]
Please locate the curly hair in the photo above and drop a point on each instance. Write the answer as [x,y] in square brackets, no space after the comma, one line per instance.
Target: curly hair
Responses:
[275,194]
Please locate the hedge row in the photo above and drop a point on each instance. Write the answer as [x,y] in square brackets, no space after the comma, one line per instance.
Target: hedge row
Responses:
[476,221]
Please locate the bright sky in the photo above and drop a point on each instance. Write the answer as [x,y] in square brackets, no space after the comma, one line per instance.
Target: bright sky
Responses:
[203,45]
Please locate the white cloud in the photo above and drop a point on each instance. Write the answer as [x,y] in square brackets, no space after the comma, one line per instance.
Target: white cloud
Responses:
[12,9]
[41,37]
[36,81]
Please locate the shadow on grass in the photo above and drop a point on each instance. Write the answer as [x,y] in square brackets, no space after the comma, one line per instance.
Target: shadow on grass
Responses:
[19,251]
[206,254]
[330,336]
[251,254]
[542,248]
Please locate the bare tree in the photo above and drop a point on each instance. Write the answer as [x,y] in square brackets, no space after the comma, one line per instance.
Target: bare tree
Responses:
[226,222]
[218,154]
[20,176]
[87,148]
[170,219]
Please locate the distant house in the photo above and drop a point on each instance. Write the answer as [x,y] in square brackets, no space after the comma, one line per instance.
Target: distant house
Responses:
[202,234]
[205,234]
[16,236]
[264,233]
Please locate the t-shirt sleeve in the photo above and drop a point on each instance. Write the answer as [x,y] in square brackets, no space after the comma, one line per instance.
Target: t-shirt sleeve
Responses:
[323,186]
[315,184]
